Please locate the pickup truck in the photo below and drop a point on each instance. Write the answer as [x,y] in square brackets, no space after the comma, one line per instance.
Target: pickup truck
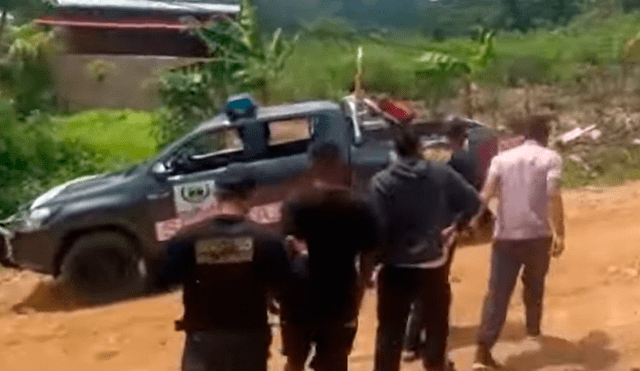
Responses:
[106,235]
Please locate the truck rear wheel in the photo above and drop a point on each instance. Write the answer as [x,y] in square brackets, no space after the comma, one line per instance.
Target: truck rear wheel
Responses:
[103,267]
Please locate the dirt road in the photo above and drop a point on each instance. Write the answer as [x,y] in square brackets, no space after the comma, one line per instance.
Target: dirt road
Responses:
[592,317]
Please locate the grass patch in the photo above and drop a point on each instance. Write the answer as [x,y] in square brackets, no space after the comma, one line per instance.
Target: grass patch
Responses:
[607,167]
[122,134]
[324,69]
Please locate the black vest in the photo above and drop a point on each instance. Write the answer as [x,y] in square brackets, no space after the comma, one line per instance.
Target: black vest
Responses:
[233,266]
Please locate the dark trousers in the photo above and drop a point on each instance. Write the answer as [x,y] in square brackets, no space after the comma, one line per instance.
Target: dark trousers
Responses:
[226,350]
[398,288]
[333,343]
[508,258]
[418,336]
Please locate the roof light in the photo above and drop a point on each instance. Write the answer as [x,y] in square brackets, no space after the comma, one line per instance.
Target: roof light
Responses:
[241,106]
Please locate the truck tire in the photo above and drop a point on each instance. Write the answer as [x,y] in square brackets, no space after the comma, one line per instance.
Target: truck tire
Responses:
[103,267]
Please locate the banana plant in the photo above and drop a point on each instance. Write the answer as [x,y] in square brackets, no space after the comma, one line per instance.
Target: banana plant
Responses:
[439,68]
[248,60]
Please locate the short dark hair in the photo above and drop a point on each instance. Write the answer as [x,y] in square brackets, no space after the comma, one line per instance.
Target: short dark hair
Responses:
[456,127]
[407,143]
[534,126]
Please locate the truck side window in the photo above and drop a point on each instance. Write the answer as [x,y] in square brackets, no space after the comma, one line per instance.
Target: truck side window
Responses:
[212,143]
[208,151]
[289,137]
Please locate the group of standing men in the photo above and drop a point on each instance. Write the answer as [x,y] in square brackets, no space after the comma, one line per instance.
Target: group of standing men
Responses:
[399,237]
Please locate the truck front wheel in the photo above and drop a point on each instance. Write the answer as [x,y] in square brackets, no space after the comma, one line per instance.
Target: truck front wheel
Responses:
[103,267]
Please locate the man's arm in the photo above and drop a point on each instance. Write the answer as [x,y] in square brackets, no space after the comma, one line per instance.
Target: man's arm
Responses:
[489,191]
[376,201]
[371,240]
[179,260]
[463,198]
[556,206]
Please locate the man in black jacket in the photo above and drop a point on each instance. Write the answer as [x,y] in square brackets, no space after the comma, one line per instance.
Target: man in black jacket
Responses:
[227,267]
[334,228]
[417,200]
[457,134]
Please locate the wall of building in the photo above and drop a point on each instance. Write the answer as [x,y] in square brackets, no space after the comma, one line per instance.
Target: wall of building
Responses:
[111,81]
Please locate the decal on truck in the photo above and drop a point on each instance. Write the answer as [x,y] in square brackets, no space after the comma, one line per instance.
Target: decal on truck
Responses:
[261,214]
[192,199]
[194,203]
[266,214]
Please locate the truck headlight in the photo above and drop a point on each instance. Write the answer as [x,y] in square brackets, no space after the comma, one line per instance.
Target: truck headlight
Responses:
[35,219]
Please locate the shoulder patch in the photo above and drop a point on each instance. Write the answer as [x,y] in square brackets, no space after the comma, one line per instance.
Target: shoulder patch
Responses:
[224,250]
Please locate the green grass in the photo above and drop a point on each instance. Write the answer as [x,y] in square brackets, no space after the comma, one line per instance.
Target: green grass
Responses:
[124,134]
[325,69]
[608,167]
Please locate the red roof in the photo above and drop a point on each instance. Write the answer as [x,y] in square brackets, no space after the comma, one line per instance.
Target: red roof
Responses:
[130,24]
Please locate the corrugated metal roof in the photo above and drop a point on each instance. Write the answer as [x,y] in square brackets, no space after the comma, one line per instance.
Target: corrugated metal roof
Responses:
[113,24]
[194,6]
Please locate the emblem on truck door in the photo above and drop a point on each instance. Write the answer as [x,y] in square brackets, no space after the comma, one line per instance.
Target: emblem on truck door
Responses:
[195,194]
[191,198]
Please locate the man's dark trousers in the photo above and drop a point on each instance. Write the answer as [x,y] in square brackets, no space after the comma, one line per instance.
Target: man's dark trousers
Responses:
[333,342]
[398,288]
[416,326]
[507,259]
[224,350]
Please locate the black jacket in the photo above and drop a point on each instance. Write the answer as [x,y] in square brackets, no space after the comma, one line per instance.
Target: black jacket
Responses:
[338,226]
[416,200]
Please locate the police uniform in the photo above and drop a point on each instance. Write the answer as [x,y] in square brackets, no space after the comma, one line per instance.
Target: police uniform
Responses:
[228,268]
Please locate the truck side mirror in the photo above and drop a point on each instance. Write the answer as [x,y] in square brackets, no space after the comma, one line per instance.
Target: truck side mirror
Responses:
[160,170]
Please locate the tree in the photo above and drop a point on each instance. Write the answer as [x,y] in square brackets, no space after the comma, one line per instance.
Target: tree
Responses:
[439,69]
[25,75]
[241,60]
[22,10]
[251,61]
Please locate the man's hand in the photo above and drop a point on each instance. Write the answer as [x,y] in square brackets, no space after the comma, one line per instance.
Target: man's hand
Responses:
[557,247]
[296,246]
[449,236]
[274,307]
[371,280]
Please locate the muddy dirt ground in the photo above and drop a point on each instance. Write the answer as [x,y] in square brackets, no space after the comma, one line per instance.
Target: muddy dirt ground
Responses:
[592,319]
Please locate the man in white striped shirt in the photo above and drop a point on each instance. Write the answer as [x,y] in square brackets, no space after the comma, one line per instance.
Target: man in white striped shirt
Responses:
[529,229]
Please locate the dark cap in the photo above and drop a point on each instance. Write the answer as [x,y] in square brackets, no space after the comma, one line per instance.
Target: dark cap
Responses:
[236,181]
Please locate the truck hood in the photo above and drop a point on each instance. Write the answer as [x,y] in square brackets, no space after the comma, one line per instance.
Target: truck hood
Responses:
[79,188]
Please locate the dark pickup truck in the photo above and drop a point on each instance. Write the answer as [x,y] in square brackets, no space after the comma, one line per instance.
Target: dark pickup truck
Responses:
[106,234]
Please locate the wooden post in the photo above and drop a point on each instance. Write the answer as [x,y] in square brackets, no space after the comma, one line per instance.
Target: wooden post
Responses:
[358,93]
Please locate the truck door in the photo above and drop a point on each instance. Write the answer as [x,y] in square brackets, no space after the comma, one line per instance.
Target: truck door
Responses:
[281,168]
[195,167]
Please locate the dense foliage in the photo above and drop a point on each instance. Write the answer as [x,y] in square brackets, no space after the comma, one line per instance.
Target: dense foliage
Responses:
[33,159]
[242,60]
[438,19]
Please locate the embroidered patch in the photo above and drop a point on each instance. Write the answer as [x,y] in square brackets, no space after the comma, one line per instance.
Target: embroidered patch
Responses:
[224,250]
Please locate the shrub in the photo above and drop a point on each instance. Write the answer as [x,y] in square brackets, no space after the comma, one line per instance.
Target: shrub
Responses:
[33,159]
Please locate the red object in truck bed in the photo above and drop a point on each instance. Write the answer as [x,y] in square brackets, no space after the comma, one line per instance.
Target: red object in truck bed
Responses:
[401,110]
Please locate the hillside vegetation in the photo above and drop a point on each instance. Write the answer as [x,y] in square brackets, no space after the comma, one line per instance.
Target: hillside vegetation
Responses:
[563,56]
